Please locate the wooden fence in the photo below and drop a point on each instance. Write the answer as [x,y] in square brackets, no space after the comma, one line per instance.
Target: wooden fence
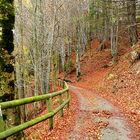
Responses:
[49,115]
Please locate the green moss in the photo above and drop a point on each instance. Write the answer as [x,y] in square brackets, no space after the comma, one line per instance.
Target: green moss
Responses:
[2,64]
[6,45]
[68,66]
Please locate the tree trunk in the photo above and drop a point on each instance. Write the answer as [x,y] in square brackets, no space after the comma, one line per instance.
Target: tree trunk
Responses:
[131,9]
[114,32]
[114,42]
[7,88]
[78,71]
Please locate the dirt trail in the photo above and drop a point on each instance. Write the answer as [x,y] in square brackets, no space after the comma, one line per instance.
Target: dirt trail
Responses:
[91,110]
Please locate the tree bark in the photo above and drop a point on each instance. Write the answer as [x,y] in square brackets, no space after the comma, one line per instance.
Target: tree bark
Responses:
[7,77]
[131,9]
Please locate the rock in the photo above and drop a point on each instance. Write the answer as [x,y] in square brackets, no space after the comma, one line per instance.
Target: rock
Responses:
[111,76]
[135,55]
[136,68]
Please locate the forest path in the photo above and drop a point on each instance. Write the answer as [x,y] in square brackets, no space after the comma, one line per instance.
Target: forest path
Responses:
[96,110]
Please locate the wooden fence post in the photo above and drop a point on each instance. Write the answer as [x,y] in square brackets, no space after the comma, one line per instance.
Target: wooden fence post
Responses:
[67,97]
[50,109]
[67,94]
[59,83]
[2,123]
[62,84]
[61,102]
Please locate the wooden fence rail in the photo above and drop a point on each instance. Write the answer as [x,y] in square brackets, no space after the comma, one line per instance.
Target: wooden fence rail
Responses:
[49,115]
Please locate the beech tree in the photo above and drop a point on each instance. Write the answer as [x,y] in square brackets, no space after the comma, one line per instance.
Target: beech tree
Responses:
[131,10]
[108,18]
[50,38]
[49,32]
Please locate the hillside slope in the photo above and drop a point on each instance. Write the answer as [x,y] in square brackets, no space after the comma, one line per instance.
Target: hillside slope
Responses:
[119,84]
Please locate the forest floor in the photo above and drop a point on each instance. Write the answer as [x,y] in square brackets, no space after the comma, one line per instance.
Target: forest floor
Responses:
[119,84]
[107,104]
[97,119]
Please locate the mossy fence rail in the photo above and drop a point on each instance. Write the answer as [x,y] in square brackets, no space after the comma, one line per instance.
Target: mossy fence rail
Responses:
[49,115]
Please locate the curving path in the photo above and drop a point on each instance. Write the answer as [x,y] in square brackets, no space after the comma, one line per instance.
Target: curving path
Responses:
[96,110]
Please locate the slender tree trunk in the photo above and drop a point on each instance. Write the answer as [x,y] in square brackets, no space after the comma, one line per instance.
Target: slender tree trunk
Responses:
[114,33]
[78,53]
[78,70]
[131,9]
[114,41]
